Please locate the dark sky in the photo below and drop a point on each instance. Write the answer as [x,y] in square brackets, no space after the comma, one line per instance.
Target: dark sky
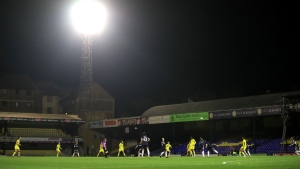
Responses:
[152,48]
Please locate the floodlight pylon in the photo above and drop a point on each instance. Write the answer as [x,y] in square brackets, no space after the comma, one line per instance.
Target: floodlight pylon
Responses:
[86,78]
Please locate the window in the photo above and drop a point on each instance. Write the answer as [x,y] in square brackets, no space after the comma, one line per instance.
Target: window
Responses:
[28,104]
[17,92]
[49,110]
[28,92]
[49,98]
[4,91]
[4,103]
[17,104]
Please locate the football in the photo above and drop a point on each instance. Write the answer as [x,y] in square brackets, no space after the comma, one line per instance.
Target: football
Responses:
[201,118]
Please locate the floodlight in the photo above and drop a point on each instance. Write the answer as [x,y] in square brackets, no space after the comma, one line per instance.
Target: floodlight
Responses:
[88,17]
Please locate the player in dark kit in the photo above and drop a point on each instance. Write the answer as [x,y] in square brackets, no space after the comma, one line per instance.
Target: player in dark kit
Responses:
[210,147]
[144,141]
[202,144]
[76,149]
[248,150]
[163,147]
[138,147]
[295,144]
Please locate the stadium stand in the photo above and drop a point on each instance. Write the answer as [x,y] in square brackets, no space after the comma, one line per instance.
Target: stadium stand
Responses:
[37,132]
[269,147]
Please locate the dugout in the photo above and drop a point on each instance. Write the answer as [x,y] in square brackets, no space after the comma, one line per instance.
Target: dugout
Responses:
[253,117]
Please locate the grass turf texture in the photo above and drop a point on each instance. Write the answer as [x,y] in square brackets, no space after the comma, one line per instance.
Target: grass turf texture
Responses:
[215,162]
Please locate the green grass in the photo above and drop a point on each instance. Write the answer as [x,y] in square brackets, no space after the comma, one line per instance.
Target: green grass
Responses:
[215,162]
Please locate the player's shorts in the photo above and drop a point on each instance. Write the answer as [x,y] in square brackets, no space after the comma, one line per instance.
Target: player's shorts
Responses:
[121,149]
[58,150]
[145,145]
[76,150]
[17,147]
[167,150]
[192,148]
[101,151]
[209,147]
[243,148]
[202,147]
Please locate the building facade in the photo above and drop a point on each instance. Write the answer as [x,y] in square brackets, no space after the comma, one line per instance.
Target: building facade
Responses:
[49,97]
[103,104]
[17,94]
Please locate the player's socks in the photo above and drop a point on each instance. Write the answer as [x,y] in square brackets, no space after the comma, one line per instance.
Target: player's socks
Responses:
[207,153]
[161,154]
[148,153]
[14,154]
[203,154]
[19,154]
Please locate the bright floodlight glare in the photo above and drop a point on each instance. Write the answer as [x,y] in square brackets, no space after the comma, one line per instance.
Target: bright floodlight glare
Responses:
[88,17]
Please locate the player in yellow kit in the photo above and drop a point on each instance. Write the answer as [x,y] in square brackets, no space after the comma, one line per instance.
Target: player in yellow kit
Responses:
[168,151]
[188,149]
[191,147]
[58,149]
[243,148]
[121,148]
[17,147]
[101,150]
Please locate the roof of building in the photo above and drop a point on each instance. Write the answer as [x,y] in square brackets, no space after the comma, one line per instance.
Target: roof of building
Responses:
[10,81]
[98,93]
[48,88]
[218,105]
[38,115]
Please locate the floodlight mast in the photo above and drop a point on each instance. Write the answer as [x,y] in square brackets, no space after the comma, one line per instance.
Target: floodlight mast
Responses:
[88,17]
[86,79]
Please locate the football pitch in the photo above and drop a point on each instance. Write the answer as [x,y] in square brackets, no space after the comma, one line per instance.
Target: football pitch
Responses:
[214,162]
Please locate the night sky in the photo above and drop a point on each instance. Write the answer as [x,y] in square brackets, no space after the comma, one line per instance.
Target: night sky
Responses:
[155,52]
